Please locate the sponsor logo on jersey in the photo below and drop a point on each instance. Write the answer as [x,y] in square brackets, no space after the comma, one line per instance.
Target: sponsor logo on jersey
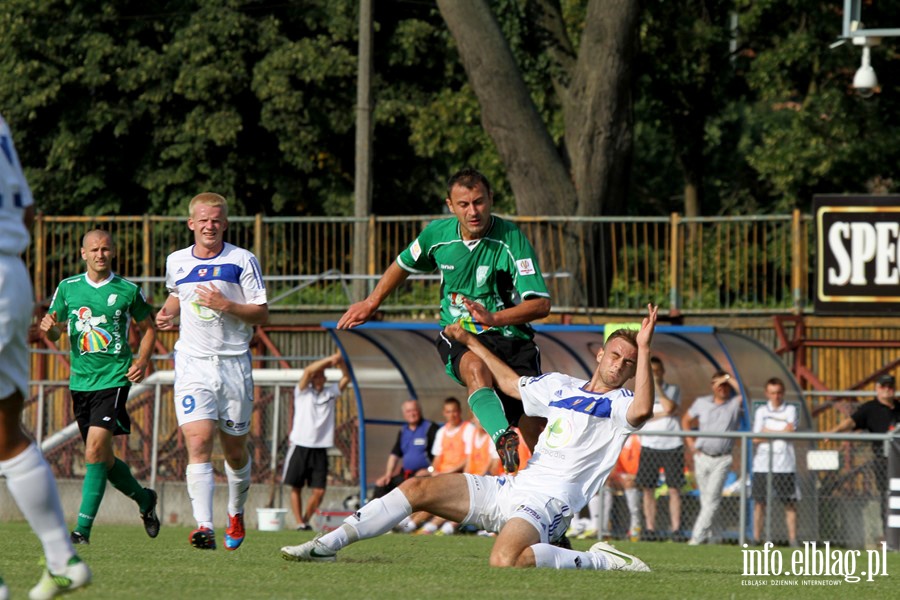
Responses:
[481,275]
[112,299]
[93,338]
[559,433]
[179,271]
[525,266]
[216,271]
[415,250]
[448,267]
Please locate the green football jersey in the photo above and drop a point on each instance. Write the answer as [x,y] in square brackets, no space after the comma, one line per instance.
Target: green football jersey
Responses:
[498,270]
[98,317]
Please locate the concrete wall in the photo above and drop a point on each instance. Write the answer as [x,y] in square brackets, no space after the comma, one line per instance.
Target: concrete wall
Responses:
[174,507]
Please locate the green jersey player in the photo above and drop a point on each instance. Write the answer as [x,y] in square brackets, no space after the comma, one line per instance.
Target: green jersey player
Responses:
[491,285]
[96,309]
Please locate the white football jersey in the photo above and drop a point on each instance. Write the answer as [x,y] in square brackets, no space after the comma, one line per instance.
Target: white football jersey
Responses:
[206,332]
[581,443]
[15,196]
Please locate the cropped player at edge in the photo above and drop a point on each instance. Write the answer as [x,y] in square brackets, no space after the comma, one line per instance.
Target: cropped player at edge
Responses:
[218,290]
[492,286]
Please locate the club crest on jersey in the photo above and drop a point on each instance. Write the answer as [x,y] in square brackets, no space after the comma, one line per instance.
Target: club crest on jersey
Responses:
[525,266]
[112,299]
[92,338]
[202,272]
[216,271]
[481,275]
[415,250]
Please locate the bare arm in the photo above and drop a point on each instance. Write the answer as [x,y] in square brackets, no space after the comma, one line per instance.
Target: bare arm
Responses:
[165,318]
[313,368]
[212,297]
[51,327]
[848,424]
[528,310]
[139,366]
[641,408]
[504,378]
[362,311]
[687,423]
[345,372]
[668,405]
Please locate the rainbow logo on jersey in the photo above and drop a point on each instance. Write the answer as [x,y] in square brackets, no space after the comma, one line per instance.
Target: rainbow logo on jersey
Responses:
[93,338]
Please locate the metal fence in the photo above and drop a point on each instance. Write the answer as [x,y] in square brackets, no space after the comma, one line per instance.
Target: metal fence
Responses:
[744,264]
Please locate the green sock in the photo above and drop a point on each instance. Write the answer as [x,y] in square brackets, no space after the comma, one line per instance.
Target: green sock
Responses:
[122,479]
[486,405]
[91,496]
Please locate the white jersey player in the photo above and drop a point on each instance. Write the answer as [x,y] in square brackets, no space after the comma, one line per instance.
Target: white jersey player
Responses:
[218,291]
[28,475]
[587,424]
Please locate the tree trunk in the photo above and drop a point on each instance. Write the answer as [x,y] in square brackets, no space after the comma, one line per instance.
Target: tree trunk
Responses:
[535,169]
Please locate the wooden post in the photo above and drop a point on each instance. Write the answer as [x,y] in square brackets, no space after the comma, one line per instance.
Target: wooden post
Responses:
[675,296]
[799,265]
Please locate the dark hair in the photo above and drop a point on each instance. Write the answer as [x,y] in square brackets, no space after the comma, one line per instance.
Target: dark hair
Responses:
[629,335]
[775,381]
[452,400]
[469,178]
[655,360]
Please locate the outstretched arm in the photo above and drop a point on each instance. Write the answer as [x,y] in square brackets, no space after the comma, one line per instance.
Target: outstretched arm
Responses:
[641,408]
[362,311]
[528,310]
[504,378]
[313,368]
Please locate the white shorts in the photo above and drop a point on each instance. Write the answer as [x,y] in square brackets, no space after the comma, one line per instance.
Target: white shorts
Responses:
[16,308]
[495,500]
[216,388]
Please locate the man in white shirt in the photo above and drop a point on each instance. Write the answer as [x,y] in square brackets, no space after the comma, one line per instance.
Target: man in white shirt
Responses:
[662,453]
[775,416]
[312,435]
[587,425]
[218,291]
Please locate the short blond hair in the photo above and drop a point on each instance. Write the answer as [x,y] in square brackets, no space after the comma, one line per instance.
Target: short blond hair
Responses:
[209,199]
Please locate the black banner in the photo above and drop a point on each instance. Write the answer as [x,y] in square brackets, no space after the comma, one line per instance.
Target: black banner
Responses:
[858,254]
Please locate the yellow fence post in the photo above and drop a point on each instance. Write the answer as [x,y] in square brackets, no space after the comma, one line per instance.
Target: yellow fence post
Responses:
[675,296]
[799,268]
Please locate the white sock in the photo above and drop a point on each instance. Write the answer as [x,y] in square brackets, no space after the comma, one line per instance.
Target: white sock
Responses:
[33,488]
[200,485]
[607,509]
[373,519]
[633,500]
[448,528]
[238,487]
[553,557]
[430,527]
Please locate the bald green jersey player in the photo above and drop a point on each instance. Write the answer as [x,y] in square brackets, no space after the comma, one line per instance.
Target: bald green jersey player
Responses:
[492,286]
[95,309]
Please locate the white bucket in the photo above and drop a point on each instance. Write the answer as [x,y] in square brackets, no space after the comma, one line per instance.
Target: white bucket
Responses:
[271,519]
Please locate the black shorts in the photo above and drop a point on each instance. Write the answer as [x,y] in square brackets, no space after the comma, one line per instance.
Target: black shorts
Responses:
[650,462]
[102,408]
[306,466]
[522,356]
[784,487]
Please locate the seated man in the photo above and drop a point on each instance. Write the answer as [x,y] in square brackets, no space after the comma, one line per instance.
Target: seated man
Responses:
[411,455]
[588,422]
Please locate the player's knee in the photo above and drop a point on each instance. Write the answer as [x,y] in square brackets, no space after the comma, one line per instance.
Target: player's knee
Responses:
[503,558]
[416,491]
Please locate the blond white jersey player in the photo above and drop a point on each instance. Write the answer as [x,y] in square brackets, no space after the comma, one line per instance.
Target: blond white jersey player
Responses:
[587,425]
[28,476]
[217,290]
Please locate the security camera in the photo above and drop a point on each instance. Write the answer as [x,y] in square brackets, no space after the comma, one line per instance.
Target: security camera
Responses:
[865,81]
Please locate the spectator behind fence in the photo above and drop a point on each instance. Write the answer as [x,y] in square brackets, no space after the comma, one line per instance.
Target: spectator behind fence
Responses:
[662,453]
[95,310]
[876,416]
[451,446]
[28,476]
[775,416]
[719,411]
[411,455]
[312,435]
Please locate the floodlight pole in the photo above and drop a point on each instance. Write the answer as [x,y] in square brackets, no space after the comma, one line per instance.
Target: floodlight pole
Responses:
[363,173]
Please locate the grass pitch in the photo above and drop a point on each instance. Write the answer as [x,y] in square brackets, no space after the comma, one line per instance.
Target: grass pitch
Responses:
[127,564]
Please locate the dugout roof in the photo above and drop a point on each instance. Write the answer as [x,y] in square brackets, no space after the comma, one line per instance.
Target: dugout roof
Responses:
[406,361]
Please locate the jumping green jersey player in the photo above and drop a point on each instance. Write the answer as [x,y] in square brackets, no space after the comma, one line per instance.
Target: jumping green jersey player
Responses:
[492,285]
[97,308]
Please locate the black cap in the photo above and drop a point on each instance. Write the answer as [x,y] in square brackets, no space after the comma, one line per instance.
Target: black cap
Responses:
[885,380]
